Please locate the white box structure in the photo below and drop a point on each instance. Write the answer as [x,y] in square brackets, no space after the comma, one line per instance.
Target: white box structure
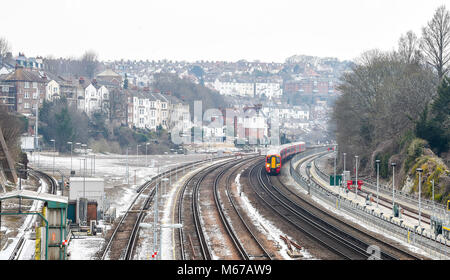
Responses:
[92,188]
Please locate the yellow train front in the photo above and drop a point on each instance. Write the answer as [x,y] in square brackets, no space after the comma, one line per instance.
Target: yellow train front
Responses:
[277,155]
[273,164]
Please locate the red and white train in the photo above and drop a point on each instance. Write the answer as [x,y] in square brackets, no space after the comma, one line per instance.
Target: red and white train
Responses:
[277,155]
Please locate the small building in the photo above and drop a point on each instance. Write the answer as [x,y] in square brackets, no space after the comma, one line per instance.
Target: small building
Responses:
[92,189]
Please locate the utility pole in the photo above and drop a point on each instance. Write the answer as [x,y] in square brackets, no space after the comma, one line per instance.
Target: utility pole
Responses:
[54,151]
[393,164]
[378,174]
[128,181]
[356,179]
[71,148]
[155,223]
[420,170]
[36,125]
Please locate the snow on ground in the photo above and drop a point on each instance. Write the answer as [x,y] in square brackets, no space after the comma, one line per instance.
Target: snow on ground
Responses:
[27,227]
[166,234]
[264,225]
[84,248]
[112,168]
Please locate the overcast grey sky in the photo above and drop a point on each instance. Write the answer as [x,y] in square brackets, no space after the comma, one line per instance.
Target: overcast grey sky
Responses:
[210,29]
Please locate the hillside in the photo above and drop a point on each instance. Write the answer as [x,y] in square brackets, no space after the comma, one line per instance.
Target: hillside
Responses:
[188,91]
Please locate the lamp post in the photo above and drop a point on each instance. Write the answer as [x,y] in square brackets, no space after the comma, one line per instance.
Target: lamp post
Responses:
[146,154]
[137,154]
[54,150]
[335,158]
[71,148]
[163,191]
[393,164]
[432,193]
[128,179]
[420,170]
[378,177]
[356,179]
[155,221]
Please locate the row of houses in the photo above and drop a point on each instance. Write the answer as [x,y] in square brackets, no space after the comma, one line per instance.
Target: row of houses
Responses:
[246,89]
[25,88]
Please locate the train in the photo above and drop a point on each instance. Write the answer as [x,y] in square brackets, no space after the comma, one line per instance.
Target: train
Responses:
[277,155]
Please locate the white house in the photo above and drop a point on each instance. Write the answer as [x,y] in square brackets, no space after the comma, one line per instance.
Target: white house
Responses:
[150,110]
[91,99]
[52,90]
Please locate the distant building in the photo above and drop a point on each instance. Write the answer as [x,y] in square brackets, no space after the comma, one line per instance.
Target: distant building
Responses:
[25,89]
[109,78]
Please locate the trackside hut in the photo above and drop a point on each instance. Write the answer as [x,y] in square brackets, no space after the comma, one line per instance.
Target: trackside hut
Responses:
[93,189]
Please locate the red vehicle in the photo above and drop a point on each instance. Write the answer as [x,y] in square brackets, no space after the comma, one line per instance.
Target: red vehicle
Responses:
[276,156]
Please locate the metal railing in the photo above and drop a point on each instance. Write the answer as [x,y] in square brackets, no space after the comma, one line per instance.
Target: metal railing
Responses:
[427,204]
[436,248]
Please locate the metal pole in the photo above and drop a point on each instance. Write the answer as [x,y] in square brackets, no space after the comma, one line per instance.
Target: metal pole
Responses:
[432,188]
[146,155]
[335,153]
[137,155]
[378,178]
[393,185]
[128,181]
[356,179]
[71,148]
[54,150]
[420,191]
[155,222]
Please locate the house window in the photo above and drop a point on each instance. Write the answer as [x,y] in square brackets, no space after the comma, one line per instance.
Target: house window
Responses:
[27,85]
[35,95]
[153,122]
[141,111]
[26,95]
[34,85]
[141,120]
[152,104]
[141,102]
[5,89]
[153,113]
[26,105]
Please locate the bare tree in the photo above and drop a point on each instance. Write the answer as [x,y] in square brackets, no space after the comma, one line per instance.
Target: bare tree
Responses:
[4,49]
[409,48]
[89,63]
[436,41]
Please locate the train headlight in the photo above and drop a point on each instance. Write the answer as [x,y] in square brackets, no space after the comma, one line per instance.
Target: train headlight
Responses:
[267,164]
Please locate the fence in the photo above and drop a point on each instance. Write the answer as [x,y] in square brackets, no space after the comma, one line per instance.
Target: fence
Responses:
[436,248]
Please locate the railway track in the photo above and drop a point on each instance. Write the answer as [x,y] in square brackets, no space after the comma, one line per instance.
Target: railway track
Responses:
[238,218]
[343,228]
[16,252]
[403,252]
[338,243]
[123,239]
[385,202]
[197,244]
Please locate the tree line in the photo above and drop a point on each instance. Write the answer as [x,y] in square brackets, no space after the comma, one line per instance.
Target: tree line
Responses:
[391,98]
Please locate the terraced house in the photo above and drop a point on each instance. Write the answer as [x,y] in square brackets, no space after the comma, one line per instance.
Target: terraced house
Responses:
[23,90]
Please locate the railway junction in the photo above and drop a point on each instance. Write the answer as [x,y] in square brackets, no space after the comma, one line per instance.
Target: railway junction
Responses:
[229,208]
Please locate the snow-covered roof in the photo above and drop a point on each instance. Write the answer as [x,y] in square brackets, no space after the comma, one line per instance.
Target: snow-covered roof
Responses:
[34,195]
